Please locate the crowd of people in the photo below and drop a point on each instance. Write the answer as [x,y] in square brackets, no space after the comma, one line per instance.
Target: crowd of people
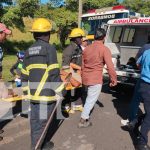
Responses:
[84,61]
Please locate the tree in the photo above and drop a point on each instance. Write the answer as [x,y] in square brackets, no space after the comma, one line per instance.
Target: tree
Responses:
[65,20]
[28,7]
[13,15]
[141,6]
[90,4]
[9,2]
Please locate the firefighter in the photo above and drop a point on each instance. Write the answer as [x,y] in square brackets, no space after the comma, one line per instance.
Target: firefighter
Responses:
[4,31]
[73,54]
[40,69]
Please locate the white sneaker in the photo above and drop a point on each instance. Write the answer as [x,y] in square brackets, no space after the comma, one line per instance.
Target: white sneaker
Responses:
[124,122]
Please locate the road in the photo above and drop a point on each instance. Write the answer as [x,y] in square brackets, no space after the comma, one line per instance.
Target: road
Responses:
[105,133]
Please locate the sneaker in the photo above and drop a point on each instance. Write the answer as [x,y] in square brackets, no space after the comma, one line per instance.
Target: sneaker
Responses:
[84,124]
[78,108]
[129,127]
[142,147]
[71,111]
[124,122]
[48,146]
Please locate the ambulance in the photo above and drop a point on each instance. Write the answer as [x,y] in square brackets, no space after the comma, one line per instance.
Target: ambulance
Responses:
[125,37]
[95,18]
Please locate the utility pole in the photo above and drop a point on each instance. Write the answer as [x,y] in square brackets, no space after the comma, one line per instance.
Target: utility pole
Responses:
[80,13]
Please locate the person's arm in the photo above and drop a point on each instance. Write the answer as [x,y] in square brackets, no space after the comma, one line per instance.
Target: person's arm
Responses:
[110,66]
[138,63]
[140,52]
[66,58]
[25,76]
[13,68]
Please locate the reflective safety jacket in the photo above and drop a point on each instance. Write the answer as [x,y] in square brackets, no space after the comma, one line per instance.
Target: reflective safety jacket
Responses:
[72,54]
[41,72]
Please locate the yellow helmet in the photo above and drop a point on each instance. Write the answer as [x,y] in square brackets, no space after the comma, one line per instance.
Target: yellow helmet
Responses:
[41,25]
[77,32]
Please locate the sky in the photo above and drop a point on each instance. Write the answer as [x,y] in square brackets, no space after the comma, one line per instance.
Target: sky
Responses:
[45,1]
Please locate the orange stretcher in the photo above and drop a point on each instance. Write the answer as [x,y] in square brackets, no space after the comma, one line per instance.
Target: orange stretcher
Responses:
[75,80]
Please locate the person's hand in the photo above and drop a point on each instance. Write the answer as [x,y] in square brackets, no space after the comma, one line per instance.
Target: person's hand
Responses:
[58,97]
[113,83]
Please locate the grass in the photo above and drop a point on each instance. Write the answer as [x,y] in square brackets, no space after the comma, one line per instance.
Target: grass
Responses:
[21,40]
[9,60]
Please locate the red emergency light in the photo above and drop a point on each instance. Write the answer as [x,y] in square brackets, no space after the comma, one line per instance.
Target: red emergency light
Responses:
[118,7]
[91,11]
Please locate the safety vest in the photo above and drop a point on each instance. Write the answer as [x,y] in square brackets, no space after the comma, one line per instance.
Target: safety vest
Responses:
[36,97]
[40,67]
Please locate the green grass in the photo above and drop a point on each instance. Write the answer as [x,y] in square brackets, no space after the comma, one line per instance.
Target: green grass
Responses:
[9,60]
[21,40]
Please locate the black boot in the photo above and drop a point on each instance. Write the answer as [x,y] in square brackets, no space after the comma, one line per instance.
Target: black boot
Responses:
[1,138]
[48,146]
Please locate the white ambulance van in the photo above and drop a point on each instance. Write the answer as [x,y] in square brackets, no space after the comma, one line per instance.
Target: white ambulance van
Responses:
[124,38]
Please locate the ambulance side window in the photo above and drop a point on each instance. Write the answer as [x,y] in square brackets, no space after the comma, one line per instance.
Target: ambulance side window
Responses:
[115,34]
[128,35]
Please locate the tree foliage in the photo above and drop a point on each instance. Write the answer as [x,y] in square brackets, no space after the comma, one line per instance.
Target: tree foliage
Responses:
[141,6]
[8,2]
[13,15]
[89,4]
[65,20]
[64,17]
[28,7]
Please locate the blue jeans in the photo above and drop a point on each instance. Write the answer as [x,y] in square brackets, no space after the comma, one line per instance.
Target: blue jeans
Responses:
[92,96]
[135,102]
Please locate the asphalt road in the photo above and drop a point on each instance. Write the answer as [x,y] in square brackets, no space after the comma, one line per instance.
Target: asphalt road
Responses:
[105,133]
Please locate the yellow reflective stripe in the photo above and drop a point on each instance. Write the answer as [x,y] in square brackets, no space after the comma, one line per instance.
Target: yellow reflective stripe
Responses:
[16,98]
[30,97]
[24,72]
[53,66]
[42,98]
[37,66]
[60,88]
[40,87]
[44,78]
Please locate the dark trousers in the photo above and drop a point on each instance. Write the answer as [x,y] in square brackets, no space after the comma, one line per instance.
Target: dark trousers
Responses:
[39,116]
[145,127]
[78,96]
[135,102]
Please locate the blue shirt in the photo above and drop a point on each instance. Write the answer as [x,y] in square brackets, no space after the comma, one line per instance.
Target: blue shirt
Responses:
[142,50]
[144,62]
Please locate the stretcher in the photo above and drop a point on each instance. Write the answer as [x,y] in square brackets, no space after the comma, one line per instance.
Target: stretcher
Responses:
[75,80]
